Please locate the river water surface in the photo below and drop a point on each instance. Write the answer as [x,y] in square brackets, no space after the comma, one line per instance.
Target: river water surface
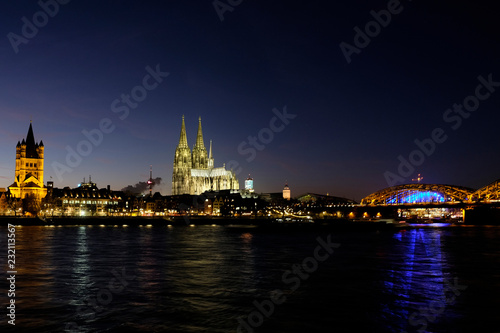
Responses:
[223,279]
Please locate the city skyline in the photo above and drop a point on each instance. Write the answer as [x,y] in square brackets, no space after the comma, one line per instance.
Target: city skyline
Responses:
[357,108]
[29,139]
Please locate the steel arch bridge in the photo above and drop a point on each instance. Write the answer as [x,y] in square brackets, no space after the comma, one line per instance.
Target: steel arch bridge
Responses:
[419,193]
[490,192]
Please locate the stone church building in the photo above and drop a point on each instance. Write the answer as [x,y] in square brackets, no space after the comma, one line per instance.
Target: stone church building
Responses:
[194,171]
[29,169]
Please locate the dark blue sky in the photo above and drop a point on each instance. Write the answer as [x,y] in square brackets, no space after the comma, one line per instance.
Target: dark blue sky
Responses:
[352,120]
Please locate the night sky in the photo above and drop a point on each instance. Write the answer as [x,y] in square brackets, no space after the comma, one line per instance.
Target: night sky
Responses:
[350,122]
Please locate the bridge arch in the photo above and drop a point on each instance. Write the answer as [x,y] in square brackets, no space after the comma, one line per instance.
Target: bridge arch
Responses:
[490,192]
[418,193]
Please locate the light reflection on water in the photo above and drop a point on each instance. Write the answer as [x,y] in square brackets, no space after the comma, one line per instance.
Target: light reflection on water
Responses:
[420,278]
[201,279]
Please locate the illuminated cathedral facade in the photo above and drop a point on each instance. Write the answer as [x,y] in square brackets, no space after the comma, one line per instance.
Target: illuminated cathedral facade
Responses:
[29,169]
[194,171]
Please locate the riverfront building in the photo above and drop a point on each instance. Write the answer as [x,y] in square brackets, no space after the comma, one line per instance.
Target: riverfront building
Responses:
[28,180]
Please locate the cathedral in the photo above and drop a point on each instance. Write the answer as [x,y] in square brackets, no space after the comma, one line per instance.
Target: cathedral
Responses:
[194,171]
[29,169]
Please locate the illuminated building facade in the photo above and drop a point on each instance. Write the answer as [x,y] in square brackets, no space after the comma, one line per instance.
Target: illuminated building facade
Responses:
[249,184]
[286,192]
[217,205]
[85,200]
[194,171]
[29,169]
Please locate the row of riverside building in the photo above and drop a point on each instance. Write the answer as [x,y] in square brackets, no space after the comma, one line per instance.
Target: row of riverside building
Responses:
[198,188]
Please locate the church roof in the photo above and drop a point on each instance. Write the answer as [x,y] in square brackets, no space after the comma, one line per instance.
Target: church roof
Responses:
[28,176]
[200,173]
[216,172]
[30,144]
[30,184]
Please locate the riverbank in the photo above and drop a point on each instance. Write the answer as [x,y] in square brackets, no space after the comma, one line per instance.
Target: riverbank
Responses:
[195,221]
[233,223]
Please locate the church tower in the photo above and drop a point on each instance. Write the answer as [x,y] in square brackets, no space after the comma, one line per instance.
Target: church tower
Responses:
[210,157]
[286,192]
[182,164]
[29,169]
[200,157]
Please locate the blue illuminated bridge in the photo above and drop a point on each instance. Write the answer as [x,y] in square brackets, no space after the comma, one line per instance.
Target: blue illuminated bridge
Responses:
[433,194]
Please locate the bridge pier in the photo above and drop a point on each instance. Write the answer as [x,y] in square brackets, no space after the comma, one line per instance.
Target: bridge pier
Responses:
[484,214]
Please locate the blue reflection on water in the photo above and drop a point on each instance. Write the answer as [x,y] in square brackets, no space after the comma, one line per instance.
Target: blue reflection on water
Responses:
[418,281]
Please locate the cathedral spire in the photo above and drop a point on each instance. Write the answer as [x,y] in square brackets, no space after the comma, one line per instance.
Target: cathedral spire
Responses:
[199,137]
[183,138]
[200,156]
[210,153]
